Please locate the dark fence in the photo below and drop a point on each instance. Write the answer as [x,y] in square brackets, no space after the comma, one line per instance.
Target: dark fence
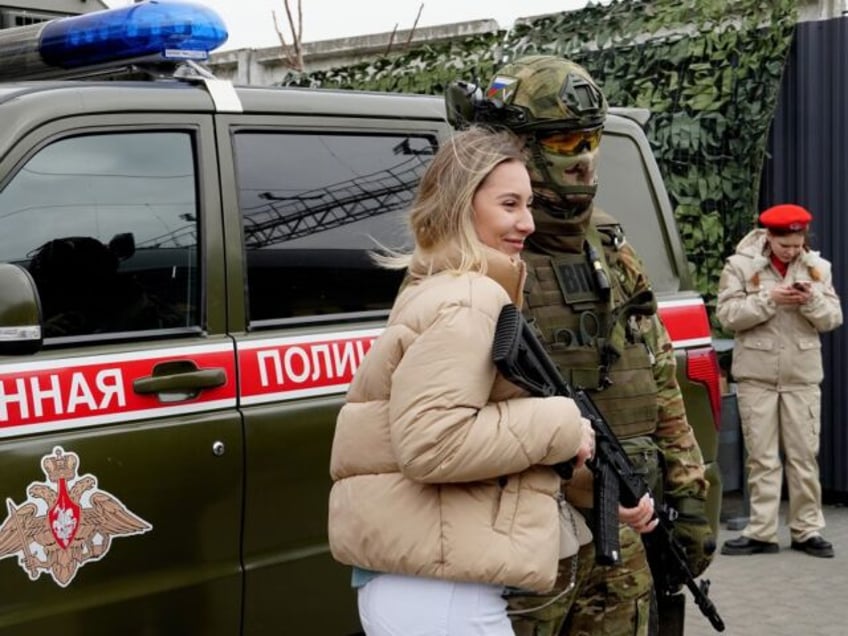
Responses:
[808,165]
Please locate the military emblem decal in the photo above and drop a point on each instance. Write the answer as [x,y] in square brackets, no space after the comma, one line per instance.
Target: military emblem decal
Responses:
[65,522]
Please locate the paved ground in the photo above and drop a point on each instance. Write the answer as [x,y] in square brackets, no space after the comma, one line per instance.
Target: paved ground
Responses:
[784,594]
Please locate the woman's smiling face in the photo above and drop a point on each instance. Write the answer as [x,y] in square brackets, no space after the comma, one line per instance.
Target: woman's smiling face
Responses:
[502,217]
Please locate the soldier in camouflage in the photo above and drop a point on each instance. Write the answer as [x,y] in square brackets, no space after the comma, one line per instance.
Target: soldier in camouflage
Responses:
[591,302]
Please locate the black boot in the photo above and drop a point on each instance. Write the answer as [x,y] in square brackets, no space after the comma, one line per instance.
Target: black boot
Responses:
[747,545]
[815,546]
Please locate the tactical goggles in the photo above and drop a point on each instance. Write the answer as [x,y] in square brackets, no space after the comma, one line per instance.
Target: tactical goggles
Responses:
[571,142]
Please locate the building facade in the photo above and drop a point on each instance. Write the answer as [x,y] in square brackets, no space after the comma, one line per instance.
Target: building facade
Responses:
[15,13]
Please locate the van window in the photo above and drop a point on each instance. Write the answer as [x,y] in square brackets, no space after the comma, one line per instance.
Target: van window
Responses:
[107,226]
[625,191]
[313,206]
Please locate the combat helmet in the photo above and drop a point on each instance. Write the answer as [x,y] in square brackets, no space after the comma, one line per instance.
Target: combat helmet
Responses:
[563,112]
[556,106]
[546,93]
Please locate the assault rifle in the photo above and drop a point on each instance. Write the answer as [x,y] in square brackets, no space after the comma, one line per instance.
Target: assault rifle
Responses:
[522,360]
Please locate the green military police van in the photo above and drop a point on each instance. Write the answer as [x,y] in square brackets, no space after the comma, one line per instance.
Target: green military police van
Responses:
[185,294]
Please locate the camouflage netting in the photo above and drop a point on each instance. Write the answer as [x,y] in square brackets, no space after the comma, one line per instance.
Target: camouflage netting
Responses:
[425,69]
[708,70]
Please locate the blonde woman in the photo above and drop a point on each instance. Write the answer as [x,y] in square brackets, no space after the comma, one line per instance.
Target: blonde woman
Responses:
[444,492]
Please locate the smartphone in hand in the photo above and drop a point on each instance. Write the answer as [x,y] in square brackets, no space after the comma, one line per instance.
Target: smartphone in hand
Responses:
[801,286]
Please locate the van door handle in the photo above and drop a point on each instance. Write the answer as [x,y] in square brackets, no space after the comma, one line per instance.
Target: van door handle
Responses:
[180,376]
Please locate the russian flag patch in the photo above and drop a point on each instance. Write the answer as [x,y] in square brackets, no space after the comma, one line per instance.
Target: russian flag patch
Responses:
[502,88]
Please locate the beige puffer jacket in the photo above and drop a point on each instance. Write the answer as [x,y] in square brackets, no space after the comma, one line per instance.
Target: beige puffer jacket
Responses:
[777,345]
[439,463]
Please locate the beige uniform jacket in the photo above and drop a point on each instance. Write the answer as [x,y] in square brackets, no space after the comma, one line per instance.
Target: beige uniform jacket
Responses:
[776,345]
[440,465]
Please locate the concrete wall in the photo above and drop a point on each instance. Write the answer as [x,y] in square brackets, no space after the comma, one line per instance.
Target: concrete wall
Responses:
[811,10]
[266,66]
[55,6]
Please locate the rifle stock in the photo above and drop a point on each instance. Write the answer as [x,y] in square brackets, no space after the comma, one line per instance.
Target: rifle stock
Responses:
[522,360]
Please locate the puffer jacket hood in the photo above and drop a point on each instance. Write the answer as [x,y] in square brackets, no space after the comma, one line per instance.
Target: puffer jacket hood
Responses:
[510,273]
[755,246]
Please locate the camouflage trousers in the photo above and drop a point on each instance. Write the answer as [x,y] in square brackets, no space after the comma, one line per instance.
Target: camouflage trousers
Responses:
[616,600]
[545,614]
[605,601]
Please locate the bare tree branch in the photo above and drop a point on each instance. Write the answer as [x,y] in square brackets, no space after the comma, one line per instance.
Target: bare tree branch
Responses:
[391,39]
[411,32]
[293,55]
[287,52]
[299,22]
[414,24]
[297,31]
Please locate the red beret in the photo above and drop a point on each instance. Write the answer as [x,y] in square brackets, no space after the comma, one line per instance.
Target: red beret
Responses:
[786,216]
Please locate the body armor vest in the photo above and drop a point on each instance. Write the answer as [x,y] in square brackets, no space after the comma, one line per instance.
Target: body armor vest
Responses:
[590,330]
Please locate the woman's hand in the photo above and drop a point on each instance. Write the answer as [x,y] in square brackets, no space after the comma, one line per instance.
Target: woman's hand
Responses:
[587,444]
[798,293]
[640,517]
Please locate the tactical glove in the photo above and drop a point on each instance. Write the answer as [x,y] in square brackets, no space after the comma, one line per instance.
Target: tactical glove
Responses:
[694,534]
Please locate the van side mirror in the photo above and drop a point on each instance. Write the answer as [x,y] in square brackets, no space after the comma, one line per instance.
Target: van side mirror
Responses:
[20,312]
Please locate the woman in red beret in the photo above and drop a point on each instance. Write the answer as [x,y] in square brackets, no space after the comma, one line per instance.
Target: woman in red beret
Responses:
[776,295]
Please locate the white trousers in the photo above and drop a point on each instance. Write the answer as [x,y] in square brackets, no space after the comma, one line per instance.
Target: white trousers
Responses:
[394,605]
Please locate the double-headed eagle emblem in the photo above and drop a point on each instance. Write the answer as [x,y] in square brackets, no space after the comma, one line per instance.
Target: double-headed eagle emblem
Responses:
[64,523]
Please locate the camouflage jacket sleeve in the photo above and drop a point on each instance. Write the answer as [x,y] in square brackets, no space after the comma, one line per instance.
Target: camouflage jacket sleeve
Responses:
[684,476]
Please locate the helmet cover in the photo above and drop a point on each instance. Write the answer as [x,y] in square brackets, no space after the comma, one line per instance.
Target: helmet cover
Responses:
[555,93]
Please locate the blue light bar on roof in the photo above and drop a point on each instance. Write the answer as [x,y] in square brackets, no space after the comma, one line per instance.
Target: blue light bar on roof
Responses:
[171,29]
[148,30]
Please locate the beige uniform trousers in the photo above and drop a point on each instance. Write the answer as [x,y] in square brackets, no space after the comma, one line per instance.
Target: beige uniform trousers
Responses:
[772,422]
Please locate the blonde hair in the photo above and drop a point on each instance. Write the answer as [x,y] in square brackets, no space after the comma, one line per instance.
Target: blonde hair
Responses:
[442,218]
